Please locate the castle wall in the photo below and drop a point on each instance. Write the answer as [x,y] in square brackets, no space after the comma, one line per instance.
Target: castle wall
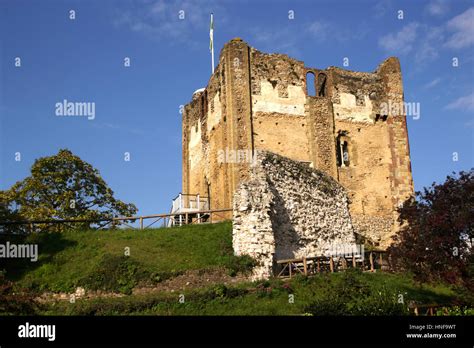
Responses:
[287,210]
[280,124]
[257,101]
[377,146]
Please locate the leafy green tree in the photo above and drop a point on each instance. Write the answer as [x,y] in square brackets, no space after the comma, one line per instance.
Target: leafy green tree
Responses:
[63,187]
[7,215]
[435,241]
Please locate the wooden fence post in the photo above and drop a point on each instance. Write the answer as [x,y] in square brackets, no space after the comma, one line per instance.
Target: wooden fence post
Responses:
[331,264]
[141,223]
[305,266]
[371,259]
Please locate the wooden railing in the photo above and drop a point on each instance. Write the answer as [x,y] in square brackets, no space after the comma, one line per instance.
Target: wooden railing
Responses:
[214,215]
[184,202]
[317,264]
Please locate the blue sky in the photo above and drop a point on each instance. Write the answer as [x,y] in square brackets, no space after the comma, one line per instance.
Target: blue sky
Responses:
[137,107]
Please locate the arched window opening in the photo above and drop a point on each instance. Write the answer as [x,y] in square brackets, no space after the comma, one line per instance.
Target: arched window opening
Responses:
[310,85]
[342,151]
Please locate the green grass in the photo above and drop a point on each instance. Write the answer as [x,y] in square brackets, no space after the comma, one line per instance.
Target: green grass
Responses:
[68,258]
[95,260]
[258,298]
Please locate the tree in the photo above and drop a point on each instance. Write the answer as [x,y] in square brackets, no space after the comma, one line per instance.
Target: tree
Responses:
[435,240]
[63,187]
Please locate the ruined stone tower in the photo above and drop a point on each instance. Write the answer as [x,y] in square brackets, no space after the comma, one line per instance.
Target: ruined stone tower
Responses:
[257,101]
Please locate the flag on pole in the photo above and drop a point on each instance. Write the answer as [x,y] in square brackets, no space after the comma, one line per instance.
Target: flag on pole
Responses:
[211,33]
[211,42]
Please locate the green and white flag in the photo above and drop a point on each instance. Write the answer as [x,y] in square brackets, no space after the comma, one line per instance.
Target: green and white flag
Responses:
[211,33]
[211,42]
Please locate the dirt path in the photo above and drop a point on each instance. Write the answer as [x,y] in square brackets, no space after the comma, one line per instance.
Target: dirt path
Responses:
[193,279]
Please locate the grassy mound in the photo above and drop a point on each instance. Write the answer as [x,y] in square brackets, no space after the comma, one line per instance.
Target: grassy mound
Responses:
[327,294]
[118,260]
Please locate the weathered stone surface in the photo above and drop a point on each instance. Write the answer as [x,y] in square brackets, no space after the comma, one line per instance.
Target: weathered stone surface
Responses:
[288,210]
[259,101]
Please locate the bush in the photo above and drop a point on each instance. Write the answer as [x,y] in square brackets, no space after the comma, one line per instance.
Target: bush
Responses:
[19,302]
[433,242]
[219,291]
[351,296]
[158,277]
[240,264]
[455,311]
[115,273]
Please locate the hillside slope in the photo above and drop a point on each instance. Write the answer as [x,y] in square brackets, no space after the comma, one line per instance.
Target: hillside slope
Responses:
[80,258]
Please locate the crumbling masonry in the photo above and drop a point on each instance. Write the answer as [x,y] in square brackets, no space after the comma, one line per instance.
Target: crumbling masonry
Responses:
[256,101]
[287,210]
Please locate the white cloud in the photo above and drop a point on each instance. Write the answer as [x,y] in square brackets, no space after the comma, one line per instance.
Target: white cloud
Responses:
[432,83]
[159,19]
[318,30]
[438,7]
[462,27]
[382,7]
[427,48]
[400,42]
[465,103]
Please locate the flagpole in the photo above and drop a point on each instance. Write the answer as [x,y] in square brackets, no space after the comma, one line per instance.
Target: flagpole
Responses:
[211,34]
[213,59]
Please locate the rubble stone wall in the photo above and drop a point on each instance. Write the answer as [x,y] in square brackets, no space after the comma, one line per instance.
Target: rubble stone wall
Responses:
[288,210]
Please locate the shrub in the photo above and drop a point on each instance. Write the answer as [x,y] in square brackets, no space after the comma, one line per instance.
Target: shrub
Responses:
[436,227]
[240,264]
[349,295]
[455,311]
[158,277]
[19,302]
[115,273]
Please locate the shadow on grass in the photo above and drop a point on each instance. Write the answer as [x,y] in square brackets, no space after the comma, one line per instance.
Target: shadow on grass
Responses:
[49,244]
[423,295]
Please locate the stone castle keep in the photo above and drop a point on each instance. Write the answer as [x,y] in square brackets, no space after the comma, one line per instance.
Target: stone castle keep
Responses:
[262,102]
